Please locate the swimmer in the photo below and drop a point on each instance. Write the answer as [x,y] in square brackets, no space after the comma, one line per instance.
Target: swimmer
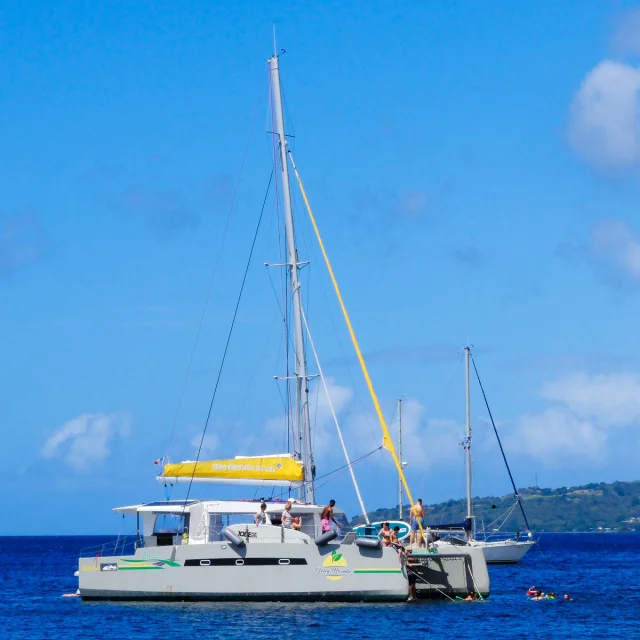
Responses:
[567,597]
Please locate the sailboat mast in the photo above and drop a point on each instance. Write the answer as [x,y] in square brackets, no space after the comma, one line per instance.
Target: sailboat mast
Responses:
[300,364]
[400,456]
[468,439]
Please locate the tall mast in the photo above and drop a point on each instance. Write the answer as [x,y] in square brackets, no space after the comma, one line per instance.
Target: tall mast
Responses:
[303,423]
[400,456]
[468,439]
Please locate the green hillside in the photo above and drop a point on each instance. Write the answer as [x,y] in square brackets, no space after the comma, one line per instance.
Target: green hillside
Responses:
[592,507]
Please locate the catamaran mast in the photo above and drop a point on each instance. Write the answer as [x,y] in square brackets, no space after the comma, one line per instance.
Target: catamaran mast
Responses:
[400,457]
[300,364]
[468,440]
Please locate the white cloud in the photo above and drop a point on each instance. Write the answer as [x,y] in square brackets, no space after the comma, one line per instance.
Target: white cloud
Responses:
[603,124]
[611,400]
[557,432]
[614,242]
[86,440]
[585,409]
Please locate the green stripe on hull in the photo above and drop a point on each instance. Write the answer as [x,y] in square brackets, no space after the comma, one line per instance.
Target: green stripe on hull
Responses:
[377,571]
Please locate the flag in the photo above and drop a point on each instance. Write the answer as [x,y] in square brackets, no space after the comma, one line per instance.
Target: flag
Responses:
[158,461]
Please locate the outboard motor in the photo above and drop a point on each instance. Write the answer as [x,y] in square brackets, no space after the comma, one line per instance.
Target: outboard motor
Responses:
[232,536]
[325,538]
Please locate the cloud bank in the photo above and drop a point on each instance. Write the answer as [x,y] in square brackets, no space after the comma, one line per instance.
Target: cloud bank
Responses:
[585,411]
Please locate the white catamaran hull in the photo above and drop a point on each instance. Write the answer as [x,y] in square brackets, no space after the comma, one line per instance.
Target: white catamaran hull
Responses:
[266,571]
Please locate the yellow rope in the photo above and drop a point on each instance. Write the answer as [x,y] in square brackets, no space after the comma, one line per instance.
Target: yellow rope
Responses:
[388,442]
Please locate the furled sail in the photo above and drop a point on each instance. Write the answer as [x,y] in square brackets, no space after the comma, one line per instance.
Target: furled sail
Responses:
[270,470]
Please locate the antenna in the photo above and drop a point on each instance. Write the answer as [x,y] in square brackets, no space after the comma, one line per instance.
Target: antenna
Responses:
[275,49]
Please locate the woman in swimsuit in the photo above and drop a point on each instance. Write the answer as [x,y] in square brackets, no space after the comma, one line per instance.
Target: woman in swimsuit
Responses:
[385,535]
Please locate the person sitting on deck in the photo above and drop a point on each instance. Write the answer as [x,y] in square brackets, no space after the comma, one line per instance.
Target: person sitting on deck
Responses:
[327,516]
[261,516]
[417,523]
[286,516]
[385,535]
[395,540]
[471,596]
[296,523]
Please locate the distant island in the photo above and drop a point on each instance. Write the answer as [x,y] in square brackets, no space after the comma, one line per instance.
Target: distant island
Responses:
[592,507]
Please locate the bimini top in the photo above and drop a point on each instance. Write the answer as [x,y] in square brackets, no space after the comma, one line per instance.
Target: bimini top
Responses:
[169,506]
[222,506]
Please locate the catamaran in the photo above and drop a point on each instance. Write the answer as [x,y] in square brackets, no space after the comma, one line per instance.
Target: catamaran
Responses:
[225,550]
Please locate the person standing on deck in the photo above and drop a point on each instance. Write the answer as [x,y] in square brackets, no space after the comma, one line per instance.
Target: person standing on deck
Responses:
[327,516]
[417,521]
[286,518]
[261,516]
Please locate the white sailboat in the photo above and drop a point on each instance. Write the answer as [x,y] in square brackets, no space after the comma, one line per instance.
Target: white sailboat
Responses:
[223,550]
[496,551]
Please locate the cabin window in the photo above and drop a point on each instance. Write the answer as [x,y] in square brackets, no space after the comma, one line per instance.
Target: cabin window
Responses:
[171,523]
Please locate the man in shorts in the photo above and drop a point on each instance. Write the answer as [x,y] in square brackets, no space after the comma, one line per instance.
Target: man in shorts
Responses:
[417,522]
[327,517]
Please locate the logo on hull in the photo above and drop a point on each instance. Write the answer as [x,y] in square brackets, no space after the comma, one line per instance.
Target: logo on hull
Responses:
[334,567]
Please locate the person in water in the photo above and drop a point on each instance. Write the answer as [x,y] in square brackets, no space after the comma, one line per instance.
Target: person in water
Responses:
[567,597]
[385,535]
[417,523]
[261,516]
[538,596]
[326,517]
[286,518]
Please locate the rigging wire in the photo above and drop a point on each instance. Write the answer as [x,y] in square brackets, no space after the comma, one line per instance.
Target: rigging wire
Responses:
[215,269]
[335,419]
[226,346]
[504,457]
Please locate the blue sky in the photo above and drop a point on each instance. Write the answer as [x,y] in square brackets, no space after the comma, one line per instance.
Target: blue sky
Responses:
[475,172]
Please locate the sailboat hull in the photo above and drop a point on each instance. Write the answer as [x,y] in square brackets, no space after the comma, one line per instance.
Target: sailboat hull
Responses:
[504,552]
[221,571]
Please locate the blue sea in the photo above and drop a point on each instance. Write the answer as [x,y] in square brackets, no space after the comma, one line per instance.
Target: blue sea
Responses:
[600,571]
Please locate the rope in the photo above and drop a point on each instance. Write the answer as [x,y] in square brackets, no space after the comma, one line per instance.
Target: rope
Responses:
[468,561]
[433,586]
[226,346]
[335,419]
[504,457]
[387,440]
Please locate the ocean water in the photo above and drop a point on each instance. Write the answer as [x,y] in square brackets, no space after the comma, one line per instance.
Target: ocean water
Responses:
[600,571]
